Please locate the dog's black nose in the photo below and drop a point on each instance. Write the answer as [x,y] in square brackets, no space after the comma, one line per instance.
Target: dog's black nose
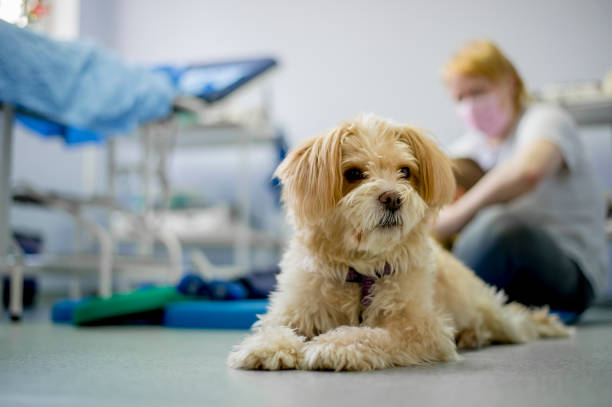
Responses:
[391,200]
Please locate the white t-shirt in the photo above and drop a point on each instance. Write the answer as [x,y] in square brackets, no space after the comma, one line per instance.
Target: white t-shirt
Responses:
[569,204]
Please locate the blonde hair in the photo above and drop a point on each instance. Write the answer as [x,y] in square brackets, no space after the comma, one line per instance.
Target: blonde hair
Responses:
[484,58]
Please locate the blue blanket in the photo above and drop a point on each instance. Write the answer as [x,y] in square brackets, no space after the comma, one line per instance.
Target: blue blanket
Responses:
[79,84]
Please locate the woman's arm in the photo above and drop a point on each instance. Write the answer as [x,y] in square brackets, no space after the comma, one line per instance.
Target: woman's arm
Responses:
[509,180]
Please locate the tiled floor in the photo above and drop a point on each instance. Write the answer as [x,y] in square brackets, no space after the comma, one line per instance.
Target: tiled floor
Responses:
[54,365]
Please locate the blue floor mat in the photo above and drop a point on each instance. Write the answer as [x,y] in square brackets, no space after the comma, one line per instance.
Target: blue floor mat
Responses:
[214,314]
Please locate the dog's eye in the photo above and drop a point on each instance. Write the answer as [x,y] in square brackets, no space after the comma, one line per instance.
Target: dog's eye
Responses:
[353,175]
[405,172]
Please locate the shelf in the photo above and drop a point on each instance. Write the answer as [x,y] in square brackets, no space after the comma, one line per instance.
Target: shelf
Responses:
[228,237]
[596,110]
[205,135]
[82,264]
[213,227]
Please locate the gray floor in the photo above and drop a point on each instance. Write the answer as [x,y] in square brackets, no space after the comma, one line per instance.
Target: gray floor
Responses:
[53,365]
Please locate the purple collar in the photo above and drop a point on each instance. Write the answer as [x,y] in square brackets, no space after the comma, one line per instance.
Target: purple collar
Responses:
[367,282]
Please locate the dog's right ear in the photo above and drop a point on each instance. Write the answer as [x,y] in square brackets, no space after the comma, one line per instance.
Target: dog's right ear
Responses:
[312,175]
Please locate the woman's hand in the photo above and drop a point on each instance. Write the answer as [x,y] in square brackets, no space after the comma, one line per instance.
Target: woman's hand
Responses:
[451,220]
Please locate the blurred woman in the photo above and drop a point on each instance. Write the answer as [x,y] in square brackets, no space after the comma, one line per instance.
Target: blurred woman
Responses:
[532,225]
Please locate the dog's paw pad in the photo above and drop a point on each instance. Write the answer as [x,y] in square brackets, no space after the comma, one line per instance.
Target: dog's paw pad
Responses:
[327,356]
[271,348]
[264,358]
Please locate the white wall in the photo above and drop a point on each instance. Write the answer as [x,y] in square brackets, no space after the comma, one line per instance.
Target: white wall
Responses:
[342,57]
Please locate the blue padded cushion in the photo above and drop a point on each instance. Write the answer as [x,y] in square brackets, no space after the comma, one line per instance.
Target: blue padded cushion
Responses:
[62,310]
[240,314]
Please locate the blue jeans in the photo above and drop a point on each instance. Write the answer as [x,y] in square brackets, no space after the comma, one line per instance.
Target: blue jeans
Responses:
[523,260]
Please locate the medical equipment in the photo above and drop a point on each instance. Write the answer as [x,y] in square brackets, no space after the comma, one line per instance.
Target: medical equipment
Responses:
[211,121]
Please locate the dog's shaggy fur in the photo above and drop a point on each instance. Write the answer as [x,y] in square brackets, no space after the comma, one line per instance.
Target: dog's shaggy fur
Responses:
[428,306]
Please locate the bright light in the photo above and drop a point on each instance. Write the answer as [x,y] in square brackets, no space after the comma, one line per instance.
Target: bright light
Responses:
[12,12]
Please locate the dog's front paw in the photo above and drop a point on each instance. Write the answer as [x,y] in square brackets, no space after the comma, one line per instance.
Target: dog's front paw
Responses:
[271,348]
[346,348]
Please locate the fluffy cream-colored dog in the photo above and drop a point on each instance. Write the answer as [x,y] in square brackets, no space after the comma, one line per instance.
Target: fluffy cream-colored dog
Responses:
[363,285]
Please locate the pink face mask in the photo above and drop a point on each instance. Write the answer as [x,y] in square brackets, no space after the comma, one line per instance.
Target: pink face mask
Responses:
[484,114]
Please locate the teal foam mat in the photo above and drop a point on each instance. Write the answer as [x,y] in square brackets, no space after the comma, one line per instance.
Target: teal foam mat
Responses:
[214,314]
[198,314]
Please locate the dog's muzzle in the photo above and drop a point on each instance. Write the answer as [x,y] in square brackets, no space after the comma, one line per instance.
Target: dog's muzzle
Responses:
[390,220]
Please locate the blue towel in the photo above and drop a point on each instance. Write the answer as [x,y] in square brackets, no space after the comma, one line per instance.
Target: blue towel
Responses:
[48,128]
[79,84]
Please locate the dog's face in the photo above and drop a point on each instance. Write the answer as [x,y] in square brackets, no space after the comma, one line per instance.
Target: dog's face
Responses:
[369,181]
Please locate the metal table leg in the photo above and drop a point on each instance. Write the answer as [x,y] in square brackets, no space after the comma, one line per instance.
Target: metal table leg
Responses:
[6,262]
[16,305]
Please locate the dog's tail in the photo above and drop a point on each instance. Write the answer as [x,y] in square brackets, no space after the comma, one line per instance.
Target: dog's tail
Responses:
[549,325]
[540,321]
[516,323]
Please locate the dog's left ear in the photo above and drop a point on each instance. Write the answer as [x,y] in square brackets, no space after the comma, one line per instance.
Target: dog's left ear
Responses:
[312,175]
[436,182]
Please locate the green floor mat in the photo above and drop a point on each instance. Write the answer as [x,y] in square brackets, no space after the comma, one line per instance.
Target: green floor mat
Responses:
[144,304]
